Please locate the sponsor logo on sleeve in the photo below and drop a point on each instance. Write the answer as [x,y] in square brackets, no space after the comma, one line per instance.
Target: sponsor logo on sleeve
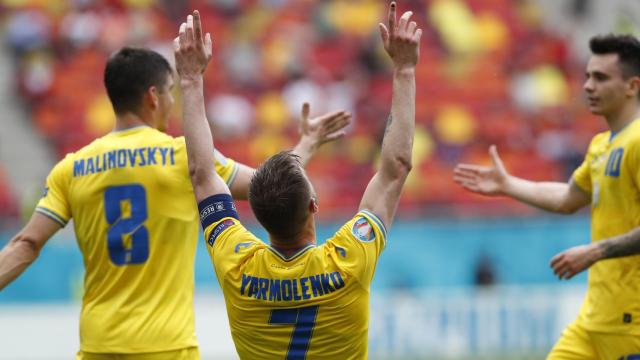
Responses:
[363,231]
[218,229]
[214,208]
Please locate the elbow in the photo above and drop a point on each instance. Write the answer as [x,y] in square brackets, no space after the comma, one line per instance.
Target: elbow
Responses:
[198,174]
[566,209]
[401,166]
[28,246]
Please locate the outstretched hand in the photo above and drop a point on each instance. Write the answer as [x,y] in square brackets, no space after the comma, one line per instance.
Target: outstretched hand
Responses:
[192,50]
[324,128]
[485,180]
[401,40]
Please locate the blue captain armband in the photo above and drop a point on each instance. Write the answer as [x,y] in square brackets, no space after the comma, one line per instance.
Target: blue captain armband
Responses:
[215,208]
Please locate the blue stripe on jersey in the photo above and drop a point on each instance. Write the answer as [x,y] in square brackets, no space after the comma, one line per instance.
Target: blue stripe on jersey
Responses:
[377,221]
[52,215]
[215,208]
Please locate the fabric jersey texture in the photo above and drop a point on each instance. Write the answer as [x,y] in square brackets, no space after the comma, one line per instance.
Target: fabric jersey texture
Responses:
[611,174]
[313,304]
[136,223]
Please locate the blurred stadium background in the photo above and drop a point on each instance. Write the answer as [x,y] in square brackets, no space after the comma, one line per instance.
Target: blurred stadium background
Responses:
[463,277]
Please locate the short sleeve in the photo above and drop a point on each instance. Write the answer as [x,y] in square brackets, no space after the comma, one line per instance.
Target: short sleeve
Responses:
[230,245]
[358,245]
[55,199]
[582,175]
[225,167]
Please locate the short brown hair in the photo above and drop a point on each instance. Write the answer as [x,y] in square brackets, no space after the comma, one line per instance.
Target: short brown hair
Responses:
[627,47]
[279,195]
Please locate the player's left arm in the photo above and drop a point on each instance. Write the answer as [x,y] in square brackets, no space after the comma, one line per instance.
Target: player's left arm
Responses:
[314,133]
[193,52]
[23,249]
[573,261]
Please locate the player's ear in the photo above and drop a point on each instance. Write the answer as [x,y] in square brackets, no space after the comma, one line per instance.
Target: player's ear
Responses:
[313,205]
[633,88]
[151,97]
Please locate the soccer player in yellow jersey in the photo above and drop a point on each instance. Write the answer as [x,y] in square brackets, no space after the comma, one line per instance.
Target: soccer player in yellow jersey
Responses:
[608,326]
[135,217]
[292,299]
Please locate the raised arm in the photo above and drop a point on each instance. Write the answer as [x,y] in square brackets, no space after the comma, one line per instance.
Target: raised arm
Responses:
[193,52]
[313,133]
[494,180]
[24,248]
[401,41]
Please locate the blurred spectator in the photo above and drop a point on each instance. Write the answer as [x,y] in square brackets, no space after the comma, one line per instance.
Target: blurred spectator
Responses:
[489,74]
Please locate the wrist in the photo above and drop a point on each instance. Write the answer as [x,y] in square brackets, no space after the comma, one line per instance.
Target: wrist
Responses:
[404,70]
[307,143]
[596,252]
[194,80]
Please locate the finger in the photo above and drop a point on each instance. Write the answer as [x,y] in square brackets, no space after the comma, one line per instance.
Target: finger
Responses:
[392,17]
[404,19]
[384,34]
[197,26]
[411,28]
[335,136]
[469,186]
[570,274]
[208,45]
[336,124]
[465,177]
[477,169]
[304,117]
[493,152]
[417,35]
[182,35]
[556,259]
[176,44]
[190,28]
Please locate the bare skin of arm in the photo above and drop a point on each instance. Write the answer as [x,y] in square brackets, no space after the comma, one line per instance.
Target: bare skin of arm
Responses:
[494,180]
[24,248]
[573,261]
[401,41]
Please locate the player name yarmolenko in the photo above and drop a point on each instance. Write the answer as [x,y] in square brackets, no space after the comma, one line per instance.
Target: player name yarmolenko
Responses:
[291,289]
[122,158]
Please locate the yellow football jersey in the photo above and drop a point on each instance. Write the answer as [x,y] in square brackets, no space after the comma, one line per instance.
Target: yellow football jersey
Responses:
[314,304]
[136,223]
[611,174]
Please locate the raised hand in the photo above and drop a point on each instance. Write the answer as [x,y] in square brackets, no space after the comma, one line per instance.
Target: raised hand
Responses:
[324,128]
[486,180]
[192,50]
[573,261]
[401,40]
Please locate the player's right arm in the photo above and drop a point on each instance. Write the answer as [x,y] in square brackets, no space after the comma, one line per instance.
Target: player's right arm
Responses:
[24,248]
[192,52]
[494,180]
[401,41]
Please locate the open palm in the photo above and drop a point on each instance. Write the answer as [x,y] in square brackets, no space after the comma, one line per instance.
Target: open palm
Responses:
[486,180]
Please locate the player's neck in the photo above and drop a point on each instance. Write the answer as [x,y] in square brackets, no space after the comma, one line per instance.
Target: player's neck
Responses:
[129,120]
[289,247]
[623,117]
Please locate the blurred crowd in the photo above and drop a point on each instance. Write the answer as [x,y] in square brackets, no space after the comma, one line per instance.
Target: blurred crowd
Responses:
[489,73]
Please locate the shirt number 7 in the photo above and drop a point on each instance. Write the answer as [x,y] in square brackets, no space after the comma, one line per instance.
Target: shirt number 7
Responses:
[304,320]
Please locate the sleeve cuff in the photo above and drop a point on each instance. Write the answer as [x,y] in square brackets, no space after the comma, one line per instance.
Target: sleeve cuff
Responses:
[52,215]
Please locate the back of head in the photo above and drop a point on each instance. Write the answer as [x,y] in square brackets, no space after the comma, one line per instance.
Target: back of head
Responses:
[280,194]
[129,74]
[627,47]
